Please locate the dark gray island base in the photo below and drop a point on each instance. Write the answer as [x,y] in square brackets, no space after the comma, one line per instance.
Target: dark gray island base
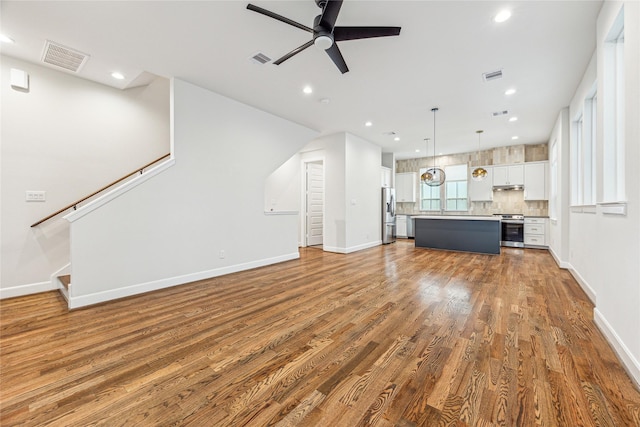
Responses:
[458,233]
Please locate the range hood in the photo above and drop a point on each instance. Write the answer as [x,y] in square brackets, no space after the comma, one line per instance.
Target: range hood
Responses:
[508,187]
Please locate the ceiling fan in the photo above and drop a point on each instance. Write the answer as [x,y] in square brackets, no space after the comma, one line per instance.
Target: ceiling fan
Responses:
[325,33]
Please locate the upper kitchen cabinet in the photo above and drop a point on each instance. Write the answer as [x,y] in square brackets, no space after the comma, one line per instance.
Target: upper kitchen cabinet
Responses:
[508,175]
[536,181]
[481,191]
[385,177]
[406,187]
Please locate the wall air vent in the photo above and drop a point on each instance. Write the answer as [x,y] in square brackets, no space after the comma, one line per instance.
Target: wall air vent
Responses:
[492,75]
[260,58]
[63,57]
[499,113]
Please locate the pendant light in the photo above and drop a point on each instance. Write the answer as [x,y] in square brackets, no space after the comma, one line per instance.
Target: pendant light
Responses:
[479,173]
[434,176]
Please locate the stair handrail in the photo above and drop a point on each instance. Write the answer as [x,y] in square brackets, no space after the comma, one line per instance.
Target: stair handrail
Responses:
[76,203]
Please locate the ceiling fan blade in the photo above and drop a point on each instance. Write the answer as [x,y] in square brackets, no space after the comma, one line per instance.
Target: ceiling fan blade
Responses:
[336,57]
[293,52]
[355,33]
[278,17]
[330,14]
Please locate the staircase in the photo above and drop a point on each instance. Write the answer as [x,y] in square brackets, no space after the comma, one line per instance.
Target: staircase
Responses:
[64,284]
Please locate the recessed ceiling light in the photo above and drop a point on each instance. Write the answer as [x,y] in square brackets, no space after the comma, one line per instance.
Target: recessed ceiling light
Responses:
[502,16]
[513,119]
[117,75]
[325,101]
[417,150]
[397,138]
[307,90]
[510,91]
[6,39]
[514,137]
[368,124]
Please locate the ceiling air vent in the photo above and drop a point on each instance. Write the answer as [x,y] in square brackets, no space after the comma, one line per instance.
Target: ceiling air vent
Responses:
[492,75]
[63,57]
[260,58]
[499,113]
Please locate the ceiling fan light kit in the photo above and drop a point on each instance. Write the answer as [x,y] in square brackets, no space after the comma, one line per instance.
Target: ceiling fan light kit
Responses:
[326,34]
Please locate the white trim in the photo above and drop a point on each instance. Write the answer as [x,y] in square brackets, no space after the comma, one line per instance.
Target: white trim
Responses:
[590,209]
[591,293]
[281,212]
[118,191]
[112,294]
[631,364]
[561,264]
[352,248]
[31,288]
[616,208]
[58,284]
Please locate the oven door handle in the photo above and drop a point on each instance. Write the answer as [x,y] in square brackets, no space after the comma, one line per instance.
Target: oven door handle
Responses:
[512,221]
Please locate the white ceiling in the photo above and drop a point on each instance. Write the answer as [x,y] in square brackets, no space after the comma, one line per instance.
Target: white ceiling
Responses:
[437,60]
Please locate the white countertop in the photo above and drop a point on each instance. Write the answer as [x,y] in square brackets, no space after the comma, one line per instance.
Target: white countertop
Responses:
[464,217]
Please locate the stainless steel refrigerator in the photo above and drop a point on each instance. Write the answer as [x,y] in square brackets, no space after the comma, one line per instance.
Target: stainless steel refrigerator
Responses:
[388,215]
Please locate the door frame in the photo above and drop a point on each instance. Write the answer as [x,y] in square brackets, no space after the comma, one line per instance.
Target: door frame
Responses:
[303,198]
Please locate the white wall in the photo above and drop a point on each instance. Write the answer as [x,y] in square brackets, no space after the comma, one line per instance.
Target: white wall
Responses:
[68,137]
[363,193]
[352,190]
[604,250]
[282,188]
[559,215]
[171,229]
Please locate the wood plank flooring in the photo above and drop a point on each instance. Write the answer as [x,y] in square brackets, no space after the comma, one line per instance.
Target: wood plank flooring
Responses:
[392,335]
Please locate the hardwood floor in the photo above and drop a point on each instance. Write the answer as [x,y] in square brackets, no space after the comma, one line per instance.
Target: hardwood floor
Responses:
[392,335]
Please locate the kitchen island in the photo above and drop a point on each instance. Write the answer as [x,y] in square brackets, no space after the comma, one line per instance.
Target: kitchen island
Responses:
[458,233]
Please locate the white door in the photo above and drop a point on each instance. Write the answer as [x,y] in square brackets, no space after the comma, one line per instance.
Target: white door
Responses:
[315,203]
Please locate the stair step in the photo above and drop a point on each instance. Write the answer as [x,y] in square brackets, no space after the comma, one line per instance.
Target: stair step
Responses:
[65,280]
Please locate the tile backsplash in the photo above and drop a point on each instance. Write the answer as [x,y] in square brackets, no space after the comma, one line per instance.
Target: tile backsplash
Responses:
[503,201]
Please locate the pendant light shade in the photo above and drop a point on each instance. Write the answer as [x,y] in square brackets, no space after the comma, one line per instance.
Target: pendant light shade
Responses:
[479,173]
[434,176]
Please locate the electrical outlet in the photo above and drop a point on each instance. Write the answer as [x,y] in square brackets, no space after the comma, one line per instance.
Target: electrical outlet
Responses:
[221,254]
[35,196]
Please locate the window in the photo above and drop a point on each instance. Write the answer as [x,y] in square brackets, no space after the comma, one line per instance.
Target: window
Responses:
[553,163]
[613,113]
[451,196]
[589,151]
[456,188]
[583,145]
[429,196]
[576,160]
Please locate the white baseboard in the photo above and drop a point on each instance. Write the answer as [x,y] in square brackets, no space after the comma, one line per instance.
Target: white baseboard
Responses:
[591,293]
[351,248]
[561,264]
[112,294]
[31,288]
[630,363]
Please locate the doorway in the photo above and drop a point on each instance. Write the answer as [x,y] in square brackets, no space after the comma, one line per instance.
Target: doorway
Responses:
[314,203]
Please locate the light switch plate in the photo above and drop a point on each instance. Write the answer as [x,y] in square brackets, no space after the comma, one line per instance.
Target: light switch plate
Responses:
[19,79]
[36,196]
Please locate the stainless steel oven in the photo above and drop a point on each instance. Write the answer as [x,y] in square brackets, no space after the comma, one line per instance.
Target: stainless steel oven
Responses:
[512,230]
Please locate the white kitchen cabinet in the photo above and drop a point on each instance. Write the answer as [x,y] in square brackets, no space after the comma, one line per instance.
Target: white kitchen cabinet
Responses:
[536,182]
[535,232]
[385,177]
[481,191]
[406,187]
[508,175]
[401,226]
